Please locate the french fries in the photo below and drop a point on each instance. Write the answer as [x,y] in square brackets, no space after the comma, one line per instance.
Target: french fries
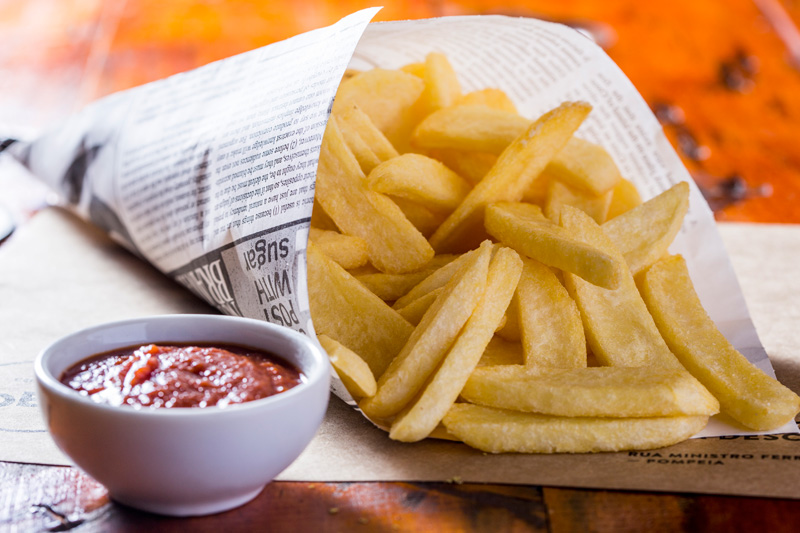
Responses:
[533,335]
[745,393]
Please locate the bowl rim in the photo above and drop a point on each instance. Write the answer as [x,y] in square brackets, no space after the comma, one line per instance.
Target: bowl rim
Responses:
[319,370]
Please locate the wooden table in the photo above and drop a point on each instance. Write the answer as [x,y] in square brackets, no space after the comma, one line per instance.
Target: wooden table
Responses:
[723,78]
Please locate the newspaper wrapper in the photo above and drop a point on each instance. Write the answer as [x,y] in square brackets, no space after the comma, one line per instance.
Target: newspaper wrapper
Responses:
[209,175]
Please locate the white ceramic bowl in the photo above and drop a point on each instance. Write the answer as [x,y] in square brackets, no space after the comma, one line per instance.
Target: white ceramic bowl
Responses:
[184,461]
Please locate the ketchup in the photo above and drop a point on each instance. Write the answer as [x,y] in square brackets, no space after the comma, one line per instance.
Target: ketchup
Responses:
[154,376]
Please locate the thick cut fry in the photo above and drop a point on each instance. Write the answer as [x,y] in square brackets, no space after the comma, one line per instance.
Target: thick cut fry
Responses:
[494,98]
[608,391]
[498,431]
[350,367]
[625,197]
[320,219]
[353,121]
[393,243]
[549,321]
[441,83]
[345,310]
[417,69]
[644,233]
[514,171]
[472,166]
[414,311]
[745,393]
[390,287]
[559,194]
[389,98]
[470,127]
[420,179]
[586,166]
[501,352]
[425,220]
[619,330]
[431,339]
[422,416]
[537,192]
[348,251]
[521,226]
[438,279]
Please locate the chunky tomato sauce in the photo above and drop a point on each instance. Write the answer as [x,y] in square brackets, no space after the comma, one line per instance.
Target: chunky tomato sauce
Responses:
[181,376]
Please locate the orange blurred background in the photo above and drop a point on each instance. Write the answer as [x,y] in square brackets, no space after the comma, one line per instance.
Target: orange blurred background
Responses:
[722,76]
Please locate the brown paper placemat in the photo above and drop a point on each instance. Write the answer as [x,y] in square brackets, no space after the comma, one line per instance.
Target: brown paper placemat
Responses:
[58,275]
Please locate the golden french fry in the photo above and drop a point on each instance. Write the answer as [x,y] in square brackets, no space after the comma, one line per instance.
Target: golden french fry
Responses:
[619,330]
[559,194]
[420,179]
[390,287]
[422,218]
[389,98]
[373,145]
[501,352]
[441,83]
[415,310]
[586,166]
[470,165]
[745,393]
[537,192]
[498,430]
[417,69]
[437,279]
[516,168]
[393,243]
[350,367]
[644,233]
[522,227]
[625,197]
[549,321]
[348,251]
[320,219]
[422,416]
[431,339]
[607,391]
[343,309]
[470,127]
[494,98]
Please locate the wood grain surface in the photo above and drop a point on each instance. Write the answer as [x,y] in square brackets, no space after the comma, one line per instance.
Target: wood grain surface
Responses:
[38,498]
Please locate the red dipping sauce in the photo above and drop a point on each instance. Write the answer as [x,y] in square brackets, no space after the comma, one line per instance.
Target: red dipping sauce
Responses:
[181,376]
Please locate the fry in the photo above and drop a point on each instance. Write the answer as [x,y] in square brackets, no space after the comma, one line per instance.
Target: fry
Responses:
[516,168]
[348,251]
[441,83]
[619,329]
[470,127]
[745,393]
[550,324]
[494,98]
[389,98]
[420,179]
[606,391]
[522,227]
[431,339]
[559,194]
[350,367]
[644,233]
[417,420]
[348,312]
[585,166]
[497,431]
[393,243]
